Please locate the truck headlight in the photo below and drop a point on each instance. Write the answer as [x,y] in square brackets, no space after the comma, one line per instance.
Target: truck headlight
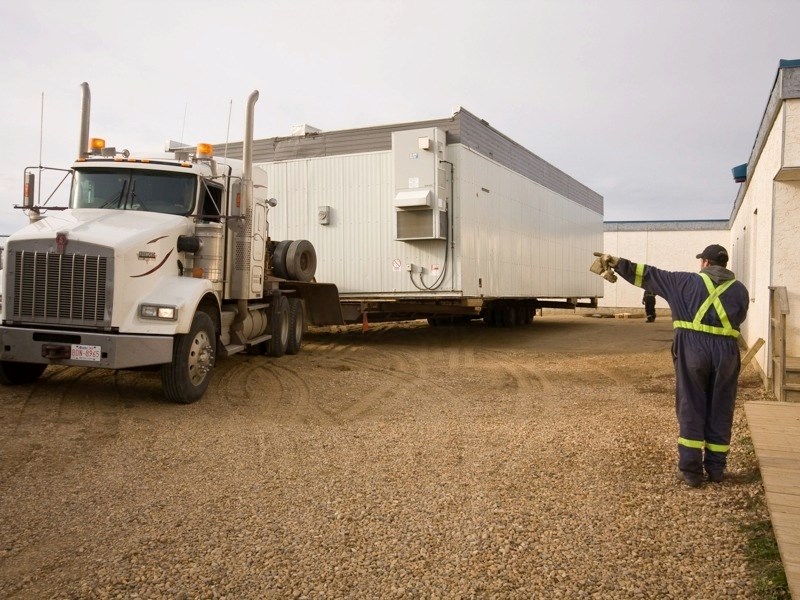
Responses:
[158,311]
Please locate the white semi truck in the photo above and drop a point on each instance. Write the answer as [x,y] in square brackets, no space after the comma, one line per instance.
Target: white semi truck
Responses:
[159,260]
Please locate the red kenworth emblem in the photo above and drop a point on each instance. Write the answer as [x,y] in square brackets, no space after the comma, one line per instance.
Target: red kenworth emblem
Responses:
[61,241]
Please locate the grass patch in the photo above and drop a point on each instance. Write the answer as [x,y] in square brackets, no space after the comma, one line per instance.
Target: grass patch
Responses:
[765,561]
[761,551]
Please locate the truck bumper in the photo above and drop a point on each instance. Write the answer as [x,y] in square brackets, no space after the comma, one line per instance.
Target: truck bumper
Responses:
[104,350]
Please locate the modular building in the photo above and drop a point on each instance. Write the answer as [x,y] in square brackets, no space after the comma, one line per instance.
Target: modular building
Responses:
[446,217]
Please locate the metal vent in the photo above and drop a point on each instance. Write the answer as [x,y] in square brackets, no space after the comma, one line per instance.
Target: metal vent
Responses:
[60,288]
[243,245]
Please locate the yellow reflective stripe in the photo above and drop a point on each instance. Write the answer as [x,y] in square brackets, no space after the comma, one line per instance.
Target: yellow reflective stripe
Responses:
[717,447]
[712,300]
[639,275]
[705,328]
[699,444]
[690,443]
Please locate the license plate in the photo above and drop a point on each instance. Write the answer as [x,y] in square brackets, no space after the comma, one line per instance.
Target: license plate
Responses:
[82,352]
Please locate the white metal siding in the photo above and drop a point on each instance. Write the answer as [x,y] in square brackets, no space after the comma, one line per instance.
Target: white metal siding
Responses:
[356,251]
[518,238]
[521,239]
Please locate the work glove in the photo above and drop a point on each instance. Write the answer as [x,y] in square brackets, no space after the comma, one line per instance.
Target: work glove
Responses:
[604,265]
[608,261]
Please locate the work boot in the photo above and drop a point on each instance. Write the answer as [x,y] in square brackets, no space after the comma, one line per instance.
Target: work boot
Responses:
[716,477]
[691,479]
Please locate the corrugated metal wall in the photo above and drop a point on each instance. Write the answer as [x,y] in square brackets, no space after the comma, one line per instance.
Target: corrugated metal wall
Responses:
[518,238]
[513,237]
[357,250]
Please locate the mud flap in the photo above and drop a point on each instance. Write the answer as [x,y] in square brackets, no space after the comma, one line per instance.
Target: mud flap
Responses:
[321,300]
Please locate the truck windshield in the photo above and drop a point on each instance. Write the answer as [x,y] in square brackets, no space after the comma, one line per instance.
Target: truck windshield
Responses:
[134,189]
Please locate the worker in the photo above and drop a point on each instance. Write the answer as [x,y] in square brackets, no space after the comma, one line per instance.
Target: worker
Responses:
[708,309]
[649,301]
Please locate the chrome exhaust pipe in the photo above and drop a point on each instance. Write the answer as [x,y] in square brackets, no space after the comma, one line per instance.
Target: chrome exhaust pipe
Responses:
[247,154]
[86,107]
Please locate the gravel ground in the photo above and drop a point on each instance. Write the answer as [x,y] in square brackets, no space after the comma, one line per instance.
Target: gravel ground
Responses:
[407,462]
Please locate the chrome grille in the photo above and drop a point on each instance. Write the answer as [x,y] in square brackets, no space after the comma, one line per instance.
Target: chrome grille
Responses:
[60,288]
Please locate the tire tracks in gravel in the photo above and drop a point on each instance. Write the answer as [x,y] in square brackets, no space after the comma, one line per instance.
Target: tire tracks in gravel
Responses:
[58,416]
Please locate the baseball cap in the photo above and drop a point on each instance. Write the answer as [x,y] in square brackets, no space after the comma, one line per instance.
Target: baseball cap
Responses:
[714,252]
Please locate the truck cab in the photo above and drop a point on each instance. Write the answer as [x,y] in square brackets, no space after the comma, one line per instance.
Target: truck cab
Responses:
[160,260]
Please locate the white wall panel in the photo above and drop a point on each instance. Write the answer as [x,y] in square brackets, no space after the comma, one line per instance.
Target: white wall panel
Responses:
[513,237]
[520,238]
[755,218]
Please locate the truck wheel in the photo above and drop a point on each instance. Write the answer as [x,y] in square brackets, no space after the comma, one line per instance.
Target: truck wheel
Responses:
[279,259]
[529,312]
[18,373]
[508,318]
[296,325]
[301,261]
[279,327]
[186,378]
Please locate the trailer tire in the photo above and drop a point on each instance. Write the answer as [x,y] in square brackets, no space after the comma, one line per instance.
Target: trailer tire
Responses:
[186,378]
[508,316]
[19,373]
[301,261]
[279,327]
[279,259]
[529,312]
[296,325]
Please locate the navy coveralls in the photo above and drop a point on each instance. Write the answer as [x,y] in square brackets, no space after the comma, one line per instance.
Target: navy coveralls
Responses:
[708,309]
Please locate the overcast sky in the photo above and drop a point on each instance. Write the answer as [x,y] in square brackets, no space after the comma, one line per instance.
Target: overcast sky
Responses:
[650,103]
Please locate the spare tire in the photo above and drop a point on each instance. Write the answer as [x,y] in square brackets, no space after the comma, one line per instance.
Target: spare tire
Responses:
[279,259]
[301,261]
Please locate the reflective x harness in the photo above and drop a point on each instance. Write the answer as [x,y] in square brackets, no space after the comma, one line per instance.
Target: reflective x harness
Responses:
[713,300]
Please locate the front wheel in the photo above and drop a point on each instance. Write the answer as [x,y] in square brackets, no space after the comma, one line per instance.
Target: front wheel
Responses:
[19,373]
[186,378]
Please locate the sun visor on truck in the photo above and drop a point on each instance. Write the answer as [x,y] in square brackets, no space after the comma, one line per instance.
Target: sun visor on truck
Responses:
[421,198]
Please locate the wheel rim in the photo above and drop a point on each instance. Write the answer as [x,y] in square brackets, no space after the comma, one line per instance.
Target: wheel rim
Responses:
[201,358]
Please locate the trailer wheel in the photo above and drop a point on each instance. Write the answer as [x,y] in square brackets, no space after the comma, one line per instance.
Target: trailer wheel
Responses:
[18,373]
[296,326]
[279,327]
[529,312]
[508,316]
[301,261]
[279,259]
[186,378]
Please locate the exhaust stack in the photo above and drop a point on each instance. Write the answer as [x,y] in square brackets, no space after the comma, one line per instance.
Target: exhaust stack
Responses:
[247,154]
[86,106]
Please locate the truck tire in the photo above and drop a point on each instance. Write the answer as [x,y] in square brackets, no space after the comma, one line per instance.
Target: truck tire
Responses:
[508,318]
[186,378]
[279,327]
[296,325]
[301,261]
[279,259]
[19,373]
